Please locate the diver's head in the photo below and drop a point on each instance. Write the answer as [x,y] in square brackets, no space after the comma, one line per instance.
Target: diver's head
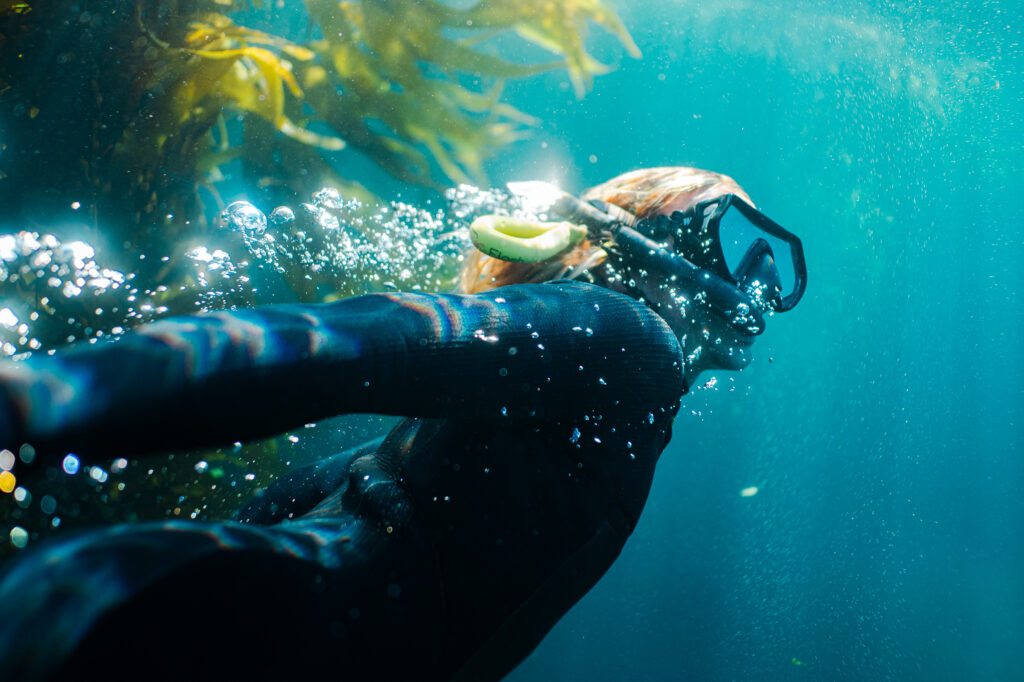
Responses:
[650,192]
[710,341]
[655,234]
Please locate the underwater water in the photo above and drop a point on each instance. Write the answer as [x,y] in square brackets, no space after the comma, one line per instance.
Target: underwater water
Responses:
[847,508]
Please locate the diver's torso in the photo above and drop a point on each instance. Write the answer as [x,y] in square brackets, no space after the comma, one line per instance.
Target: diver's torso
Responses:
[522,516]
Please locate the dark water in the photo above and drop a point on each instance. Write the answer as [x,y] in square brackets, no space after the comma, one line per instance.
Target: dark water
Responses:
[881,421]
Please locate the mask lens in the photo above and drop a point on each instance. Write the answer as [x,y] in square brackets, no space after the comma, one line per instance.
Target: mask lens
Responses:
[736,234]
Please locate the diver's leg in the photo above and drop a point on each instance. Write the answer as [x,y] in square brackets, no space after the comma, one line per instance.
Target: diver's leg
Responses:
[301,489]
[181,600]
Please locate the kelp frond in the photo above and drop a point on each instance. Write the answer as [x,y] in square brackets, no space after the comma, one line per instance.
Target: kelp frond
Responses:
[14,7]
[416,86]
[218,61]
[560,27]
[383,55]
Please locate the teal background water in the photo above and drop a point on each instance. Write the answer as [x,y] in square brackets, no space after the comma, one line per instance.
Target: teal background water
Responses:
[881,419]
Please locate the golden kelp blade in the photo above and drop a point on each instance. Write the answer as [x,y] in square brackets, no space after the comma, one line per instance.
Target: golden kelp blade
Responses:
[255,84]
[12,7]
[559,27]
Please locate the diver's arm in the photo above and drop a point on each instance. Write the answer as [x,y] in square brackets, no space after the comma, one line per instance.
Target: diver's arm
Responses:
[546,351]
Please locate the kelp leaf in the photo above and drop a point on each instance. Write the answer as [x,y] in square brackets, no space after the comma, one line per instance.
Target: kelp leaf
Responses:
[328,142]
[559,27]
[242,91]
[12,7]
[268,62]
[202,78]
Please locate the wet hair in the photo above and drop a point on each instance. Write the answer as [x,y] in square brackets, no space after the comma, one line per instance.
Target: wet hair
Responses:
[643,193]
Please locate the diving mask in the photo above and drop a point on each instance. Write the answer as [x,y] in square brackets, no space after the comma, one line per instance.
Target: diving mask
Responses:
[731,238]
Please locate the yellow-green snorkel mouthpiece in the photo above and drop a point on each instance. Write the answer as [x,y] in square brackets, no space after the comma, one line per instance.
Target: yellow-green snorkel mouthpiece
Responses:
[523,241]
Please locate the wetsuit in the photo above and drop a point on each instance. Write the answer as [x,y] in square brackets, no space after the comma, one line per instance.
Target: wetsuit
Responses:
[447,550]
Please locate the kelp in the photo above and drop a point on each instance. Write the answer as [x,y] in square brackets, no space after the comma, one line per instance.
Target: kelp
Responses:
[560,27]
[14,7]
[133,110]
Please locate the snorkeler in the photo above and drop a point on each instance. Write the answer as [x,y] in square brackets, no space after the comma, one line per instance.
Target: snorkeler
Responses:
[535,416]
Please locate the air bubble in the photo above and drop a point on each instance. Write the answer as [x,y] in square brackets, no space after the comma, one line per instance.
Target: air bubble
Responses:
[281,216]
[244,217]
[48,504]
[71,464]
[19,537]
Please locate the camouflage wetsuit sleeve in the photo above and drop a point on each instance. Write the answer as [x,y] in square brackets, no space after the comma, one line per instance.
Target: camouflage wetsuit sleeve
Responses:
[545,351]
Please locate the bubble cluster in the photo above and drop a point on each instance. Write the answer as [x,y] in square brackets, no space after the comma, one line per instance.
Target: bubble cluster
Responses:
[43,278]
[467,203]
[334,247]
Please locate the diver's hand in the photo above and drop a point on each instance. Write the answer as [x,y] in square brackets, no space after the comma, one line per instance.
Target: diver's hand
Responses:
[712,337]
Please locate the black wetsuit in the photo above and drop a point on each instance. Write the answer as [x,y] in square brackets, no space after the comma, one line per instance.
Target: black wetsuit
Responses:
[447,550]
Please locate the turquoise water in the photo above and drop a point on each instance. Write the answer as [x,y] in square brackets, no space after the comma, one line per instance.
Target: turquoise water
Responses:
[881,419]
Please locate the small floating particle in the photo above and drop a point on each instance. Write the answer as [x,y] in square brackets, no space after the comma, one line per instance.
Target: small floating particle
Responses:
[71,465]
[749,492]
[48,504]
[19,536]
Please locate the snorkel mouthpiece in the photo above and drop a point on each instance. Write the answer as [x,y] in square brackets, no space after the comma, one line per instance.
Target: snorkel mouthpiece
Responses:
[522,241]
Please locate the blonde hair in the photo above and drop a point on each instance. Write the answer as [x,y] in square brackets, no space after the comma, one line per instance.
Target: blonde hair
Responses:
[644,192]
